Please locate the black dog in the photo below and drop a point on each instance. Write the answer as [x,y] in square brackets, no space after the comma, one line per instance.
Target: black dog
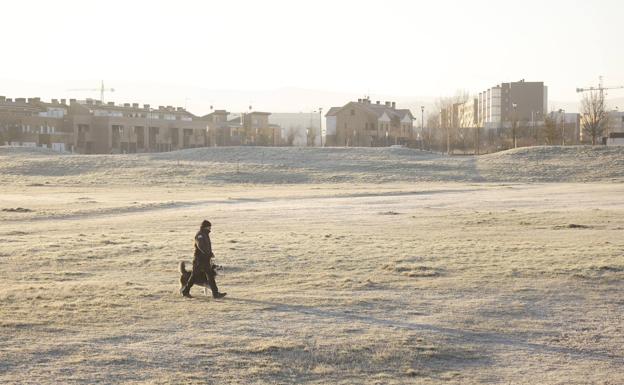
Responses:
[203,281]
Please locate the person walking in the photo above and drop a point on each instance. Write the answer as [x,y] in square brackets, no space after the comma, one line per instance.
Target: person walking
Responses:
[202,263]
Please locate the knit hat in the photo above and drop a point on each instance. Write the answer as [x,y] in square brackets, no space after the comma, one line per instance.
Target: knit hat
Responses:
[205,223]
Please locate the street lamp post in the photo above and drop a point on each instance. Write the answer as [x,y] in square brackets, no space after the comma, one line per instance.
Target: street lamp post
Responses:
[311,125]
[532,121]
[321,124]
[146,132]
[535,118]
[146,146]
[477,139]
[422,126]
[515,123]
[562,112]
[447,123]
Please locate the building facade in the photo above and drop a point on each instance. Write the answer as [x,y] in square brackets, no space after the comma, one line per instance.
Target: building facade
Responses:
[468,113]
[92,127]
[614,135]
[367,124]
[34,123]
[501,105]
[568,126]
[219,129]
[129,128]
[258,131]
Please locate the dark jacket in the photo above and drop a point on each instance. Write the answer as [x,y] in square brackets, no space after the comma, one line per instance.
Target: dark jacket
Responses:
[203,249]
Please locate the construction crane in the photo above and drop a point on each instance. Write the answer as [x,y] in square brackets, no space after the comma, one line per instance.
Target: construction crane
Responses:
[599,88]
[102,89]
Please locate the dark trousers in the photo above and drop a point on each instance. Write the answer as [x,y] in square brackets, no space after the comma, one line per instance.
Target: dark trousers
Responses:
[202,273]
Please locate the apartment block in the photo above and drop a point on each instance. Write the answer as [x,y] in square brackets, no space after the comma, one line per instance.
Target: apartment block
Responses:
[129,128]
[614,134]
[496,104]
[468,113]
[92,127]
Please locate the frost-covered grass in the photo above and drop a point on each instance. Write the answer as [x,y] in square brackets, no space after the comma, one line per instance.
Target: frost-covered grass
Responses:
[259,165]
[352,282]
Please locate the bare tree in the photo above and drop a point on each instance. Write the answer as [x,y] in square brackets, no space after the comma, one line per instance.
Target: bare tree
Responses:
[432,131]
[311,131]
[447,108]
[514,127]
[477,139]
[594,116]
[290,135]
[461,96]
[263,139]
[551,132]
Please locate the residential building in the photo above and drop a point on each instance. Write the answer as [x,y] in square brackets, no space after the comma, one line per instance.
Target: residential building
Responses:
[219,128]
[258,131]
[569,126]
[457,123]
[330,126]
[236,130]
[32,122]
[364,123]
[614,135]
[299,128]
[496,104]
[92,127]
[468,113]
[109,128]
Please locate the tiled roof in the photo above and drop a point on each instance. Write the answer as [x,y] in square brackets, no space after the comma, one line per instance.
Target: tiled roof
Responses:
[131,108]
[377,109]
[332,111]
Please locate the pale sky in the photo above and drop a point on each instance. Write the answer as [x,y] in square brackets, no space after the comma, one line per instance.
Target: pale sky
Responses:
[195,51]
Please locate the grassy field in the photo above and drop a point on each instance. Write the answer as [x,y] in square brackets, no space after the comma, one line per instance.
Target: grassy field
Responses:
[438,281]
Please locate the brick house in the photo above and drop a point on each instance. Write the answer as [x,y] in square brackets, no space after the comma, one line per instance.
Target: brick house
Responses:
[367,124]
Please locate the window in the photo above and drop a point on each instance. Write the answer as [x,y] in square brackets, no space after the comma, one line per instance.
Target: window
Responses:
[352,112]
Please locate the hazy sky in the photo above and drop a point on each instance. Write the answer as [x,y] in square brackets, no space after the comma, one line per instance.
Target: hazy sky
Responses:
[402,48]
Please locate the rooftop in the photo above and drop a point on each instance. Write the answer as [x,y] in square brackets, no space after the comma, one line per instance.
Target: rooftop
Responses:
[377,108]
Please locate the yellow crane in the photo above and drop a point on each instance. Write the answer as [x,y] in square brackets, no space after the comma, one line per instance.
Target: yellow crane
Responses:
[600,88]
